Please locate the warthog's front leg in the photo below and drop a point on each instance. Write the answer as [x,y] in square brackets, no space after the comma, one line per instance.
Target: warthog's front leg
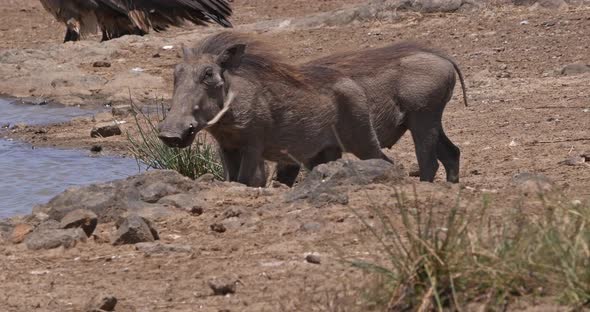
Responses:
[231,160]
[287,173]
[252,172]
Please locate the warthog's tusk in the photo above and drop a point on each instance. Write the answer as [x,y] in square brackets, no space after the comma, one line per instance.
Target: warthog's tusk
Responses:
[230,97]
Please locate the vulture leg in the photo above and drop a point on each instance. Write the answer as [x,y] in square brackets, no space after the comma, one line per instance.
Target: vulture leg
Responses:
[72,30]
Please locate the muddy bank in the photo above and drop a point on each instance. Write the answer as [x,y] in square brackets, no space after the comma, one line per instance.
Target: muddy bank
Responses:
[210,244]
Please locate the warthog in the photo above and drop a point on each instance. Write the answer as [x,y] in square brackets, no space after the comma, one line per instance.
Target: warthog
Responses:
[407,88]
[258,107]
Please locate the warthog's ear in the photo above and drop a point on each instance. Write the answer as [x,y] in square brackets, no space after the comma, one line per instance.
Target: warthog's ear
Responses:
[187,52]
[232,56]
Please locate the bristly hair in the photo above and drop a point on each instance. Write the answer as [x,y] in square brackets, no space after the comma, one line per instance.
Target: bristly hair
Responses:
[258,61]
[356,64]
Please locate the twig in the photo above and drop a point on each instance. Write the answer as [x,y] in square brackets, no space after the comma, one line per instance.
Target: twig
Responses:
[561,141]
[557,107]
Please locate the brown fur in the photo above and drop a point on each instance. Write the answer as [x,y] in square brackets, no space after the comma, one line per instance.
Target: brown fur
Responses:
[277,114]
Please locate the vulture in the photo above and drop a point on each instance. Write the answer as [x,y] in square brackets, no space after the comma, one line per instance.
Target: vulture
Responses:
[116,18]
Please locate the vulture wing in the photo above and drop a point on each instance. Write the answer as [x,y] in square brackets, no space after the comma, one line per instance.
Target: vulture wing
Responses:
[120,17]
[160,14]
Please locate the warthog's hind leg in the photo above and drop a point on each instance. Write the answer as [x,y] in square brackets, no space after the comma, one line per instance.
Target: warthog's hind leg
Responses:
[425,128]
[449,155]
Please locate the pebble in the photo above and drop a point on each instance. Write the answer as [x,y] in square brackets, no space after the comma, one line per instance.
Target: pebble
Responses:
[313,258]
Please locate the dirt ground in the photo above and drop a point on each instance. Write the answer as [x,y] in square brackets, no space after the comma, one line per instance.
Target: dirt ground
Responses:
[523,116]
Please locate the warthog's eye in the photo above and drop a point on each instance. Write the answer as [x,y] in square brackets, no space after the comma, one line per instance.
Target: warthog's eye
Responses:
[208,73]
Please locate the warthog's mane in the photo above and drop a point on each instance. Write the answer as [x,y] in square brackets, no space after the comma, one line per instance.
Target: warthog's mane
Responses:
[258,62]
[364,62]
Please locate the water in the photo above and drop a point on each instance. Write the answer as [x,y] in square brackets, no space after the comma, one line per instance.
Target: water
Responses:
[30,176]
[11,113]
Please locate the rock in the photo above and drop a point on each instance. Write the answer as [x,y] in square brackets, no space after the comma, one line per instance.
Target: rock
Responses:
[232,213]
[101,64]
[431,6]
[122,110]
[96,148]
[206,178]
[414,170]
[311,226]
[324,184]
[53,238]
[101,302]
[5,229]
[574,69]
[531,183]
[134,229]
[574,161]
[549,5]
[218,227]
[161,248]
[80,218]
[313,258]
[105,130]
[187,202]
[223,285]
[49,224]
[20,232]
[113,199]
[153,192]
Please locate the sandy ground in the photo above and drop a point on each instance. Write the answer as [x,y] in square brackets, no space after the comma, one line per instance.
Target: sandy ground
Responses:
[523,116]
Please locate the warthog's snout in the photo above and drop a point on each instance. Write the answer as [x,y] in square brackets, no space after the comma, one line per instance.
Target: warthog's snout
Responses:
[180,137]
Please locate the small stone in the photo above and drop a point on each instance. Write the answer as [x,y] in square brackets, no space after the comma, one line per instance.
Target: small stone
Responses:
[122,110]
[311,226]
[134,229]
[218,227]
[574,161]
[101,64]
[48,224]
[414,171]
[574,69]
[207,177]
[232,213]
[96,148]
[531,183]
[20,232]
[184,201]
[313,258]
[80,218]
[549,4]
[161,248]
[54,238]
[105,130]
[196,210]
[223,285]
[101,302]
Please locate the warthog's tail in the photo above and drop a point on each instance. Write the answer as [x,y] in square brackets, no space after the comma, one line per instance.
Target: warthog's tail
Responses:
[459,73]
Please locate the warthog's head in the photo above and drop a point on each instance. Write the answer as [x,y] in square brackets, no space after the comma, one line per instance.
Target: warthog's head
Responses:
[201,94]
